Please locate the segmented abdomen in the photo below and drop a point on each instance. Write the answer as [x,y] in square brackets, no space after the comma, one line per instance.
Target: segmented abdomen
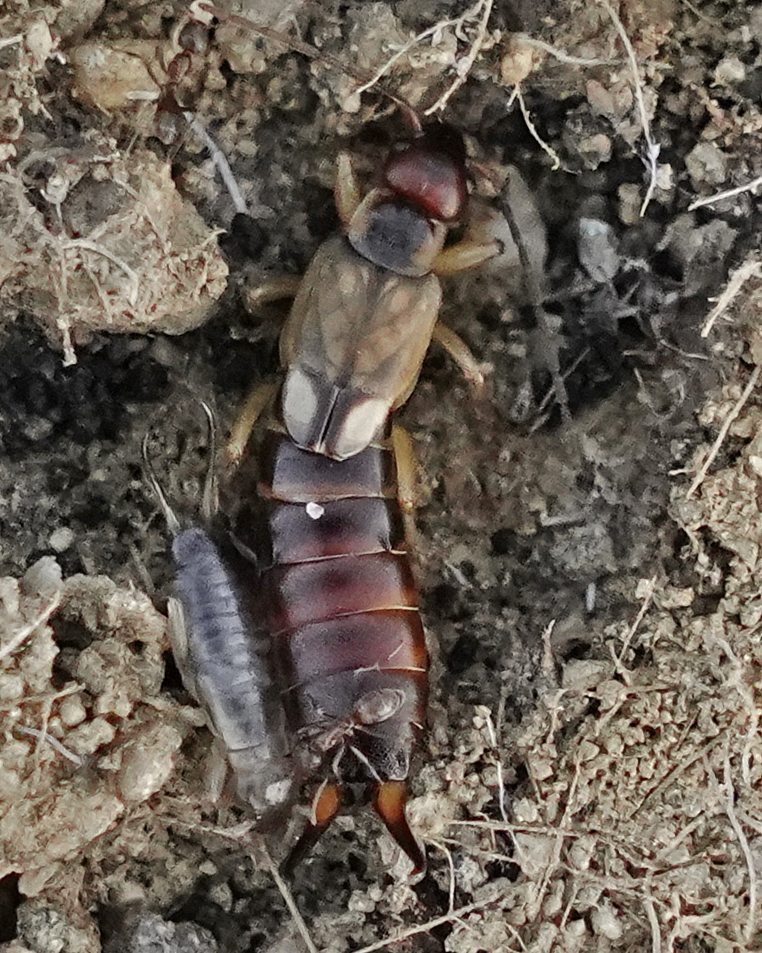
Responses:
[228,671]
[338,598]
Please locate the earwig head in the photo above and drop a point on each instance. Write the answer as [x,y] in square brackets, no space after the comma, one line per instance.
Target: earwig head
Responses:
[431,173]
[402,224]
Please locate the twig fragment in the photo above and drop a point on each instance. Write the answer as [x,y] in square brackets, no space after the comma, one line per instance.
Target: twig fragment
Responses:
[465,65]
[427,926]
[735,824]
[288,898]
[734,412]
[750,269]
[647,599]
[11,40]
[53,742]
[653,922]
[25,631]
[652,148]
[102,250]
[481,6]
[220,162]
[561,55]
[727,194]
[557,164]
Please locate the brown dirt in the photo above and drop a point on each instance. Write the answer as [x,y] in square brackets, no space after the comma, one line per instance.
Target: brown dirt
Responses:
[591,777]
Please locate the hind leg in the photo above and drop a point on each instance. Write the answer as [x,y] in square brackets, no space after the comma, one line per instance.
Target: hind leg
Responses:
[258,399]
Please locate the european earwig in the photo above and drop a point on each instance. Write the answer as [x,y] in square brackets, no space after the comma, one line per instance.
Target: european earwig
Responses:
[319,552]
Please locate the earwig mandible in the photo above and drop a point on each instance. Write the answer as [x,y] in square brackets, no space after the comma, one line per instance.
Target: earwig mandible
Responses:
[301,635]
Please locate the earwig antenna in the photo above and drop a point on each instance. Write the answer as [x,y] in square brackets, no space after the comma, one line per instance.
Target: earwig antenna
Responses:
[211,499]
[169,514]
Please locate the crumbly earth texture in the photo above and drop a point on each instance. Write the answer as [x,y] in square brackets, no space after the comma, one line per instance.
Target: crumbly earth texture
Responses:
[590,527]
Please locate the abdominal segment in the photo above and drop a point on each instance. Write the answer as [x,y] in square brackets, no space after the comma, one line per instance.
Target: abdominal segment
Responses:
[334,588]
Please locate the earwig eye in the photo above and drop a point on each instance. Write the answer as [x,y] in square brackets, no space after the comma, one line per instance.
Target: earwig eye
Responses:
[431,174]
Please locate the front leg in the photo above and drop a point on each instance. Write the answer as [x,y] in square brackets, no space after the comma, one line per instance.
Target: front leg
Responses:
[461,353]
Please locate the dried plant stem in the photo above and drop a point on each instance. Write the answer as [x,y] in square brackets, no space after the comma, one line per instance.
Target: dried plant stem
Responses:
[220,162]
[735,411]
[442,846]
[313,53]
[53,742]
[557,164]
[647,599]
[736,825]
[458,22]
[652,149]
[560,55]
[750,269]
[727,194]
[555,859]
[25,631]
[653,922]
[738,682]
[288,898]
[679,769]
[98,249]
[553,390]
[465,65]
[428,926]
[498,766]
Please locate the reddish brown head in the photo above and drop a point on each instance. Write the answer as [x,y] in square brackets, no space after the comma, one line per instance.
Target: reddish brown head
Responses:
[402,224]
[431,173]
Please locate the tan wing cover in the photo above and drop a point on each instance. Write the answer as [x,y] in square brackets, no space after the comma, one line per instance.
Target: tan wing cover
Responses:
[353,346]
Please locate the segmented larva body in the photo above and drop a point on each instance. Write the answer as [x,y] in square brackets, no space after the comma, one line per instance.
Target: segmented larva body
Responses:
[226,667]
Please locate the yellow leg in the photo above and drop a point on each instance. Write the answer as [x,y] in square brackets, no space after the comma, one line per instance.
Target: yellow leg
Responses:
[252,409]
[466,254]
[460,352]
[404,456]
[346,191]
[273,289]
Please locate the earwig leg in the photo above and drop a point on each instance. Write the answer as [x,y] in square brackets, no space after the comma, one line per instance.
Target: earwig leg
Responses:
[244,422]
[217,772]
[389,801]
[324,809]
[460,352]
[273,289]
[404,457]
[466,254]
[178,638]
[346,190]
